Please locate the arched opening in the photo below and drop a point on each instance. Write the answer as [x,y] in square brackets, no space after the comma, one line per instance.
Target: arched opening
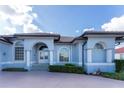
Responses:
[40,53]
[99,53]
[64,55]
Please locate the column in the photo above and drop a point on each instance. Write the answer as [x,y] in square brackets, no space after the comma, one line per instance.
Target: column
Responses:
[51,57]
[80,54]
[89,55]
[109,55]
[28,58]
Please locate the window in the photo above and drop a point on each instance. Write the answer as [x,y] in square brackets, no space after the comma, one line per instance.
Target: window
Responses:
[19,51]
[98,46]
[64,55]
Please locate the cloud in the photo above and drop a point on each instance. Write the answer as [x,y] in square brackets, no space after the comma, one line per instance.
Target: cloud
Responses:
[77,31]
[9,30]
[3,16]
[115,24]
[88,29]
[31,28]
[14,16]
[21,9]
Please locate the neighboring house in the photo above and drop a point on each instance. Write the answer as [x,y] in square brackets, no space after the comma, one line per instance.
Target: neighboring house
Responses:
[119,53]
[91,50]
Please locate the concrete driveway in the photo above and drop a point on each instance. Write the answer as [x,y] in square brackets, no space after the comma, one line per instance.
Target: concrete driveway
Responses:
[41,79]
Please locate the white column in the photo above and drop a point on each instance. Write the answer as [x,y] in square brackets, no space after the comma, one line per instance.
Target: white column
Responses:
[51,57]
[89,55]
[80,54]
[28,58]
[109,55]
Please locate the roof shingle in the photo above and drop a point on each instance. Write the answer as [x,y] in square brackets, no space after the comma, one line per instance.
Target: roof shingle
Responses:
[119,50]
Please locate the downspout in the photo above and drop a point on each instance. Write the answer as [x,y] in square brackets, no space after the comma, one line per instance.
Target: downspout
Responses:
[83,53]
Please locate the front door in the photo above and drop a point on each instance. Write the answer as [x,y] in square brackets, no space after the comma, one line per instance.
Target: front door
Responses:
[43,56]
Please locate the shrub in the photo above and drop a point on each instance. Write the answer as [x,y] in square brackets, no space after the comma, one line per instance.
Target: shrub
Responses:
[118,76]
[66,68]
[69,64]
[108,75]
[15,69]
[119,65]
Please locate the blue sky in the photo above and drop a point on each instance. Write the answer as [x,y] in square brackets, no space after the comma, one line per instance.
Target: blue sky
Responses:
[66,20]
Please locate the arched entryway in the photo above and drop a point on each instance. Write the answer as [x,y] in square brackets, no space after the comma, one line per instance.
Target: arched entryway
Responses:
[40,53]
[99,53]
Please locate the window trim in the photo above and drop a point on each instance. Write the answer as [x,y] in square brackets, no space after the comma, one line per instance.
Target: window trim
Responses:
[96,46]
[16,55]
[15,51]
[68,56]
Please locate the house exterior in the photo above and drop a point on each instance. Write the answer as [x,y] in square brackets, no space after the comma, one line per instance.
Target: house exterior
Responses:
[119,53]
[92,50]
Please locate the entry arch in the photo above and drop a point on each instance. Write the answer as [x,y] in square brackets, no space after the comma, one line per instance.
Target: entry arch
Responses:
[99,52]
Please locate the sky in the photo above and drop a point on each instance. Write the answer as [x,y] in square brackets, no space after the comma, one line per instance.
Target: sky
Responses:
[74,20]
[64,20]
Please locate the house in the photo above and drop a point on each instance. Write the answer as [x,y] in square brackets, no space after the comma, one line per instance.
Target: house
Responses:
[119,53]
[92,50]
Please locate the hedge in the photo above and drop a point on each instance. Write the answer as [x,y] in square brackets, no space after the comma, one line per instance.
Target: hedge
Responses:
[66,69]
[119,65]
[118,76]
[15,69]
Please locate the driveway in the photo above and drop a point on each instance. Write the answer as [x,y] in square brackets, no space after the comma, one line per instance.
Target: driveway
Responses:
[42,79]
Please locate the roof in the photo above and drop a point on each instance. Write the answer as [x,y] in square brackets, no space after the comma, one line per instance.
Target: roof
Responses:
[5,40]
[65,39]
[36,34]
[57,36]
[103,33]
[117,34]
[119,50]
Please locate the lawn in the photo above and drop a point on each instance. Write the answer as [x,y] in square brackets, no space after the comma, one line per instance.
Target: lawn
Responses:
[116,75]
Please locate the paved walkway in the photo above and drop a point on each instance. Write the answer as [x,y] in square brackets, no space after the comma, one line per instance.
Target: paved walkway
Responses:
[40,79]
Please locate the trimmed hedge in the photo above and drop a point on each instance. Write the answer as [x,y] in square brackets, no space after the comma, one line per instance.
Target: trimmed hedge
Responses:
[66,68]
[15,69]
[119,65]
[69,64]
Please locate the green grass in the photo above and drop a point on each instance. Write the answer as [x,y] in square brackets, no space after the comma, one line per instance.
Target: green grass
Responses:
[116,75]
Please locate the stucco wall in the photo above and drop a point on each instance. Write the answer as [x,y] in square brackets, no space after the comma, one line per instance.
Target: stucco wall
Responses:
[103,67]
[75,53]
[119,56]
[75,50]
[109,44]
[85,53]
[5,52]
[57,48]
[30,43]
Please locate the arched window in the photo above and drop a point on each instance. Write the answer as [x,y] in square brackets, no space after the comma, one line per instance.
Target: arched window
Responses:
[99,46]
[43,48]
[99,53]
[64,55]
[19,50]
